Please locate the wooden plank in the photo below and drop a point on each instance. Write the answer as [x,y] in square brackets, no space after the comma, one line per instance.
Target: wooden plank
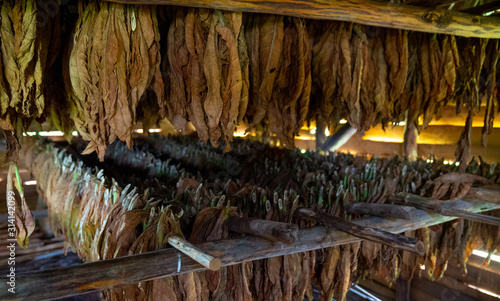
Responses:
[398,241]
[441,208]
[382,210]
[274,231]
[87,277]
[368,12]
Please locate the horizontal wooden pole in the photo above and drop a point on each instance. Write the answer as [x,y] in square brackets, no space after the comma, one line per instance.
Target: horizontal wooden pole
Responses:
[440,207]
[367,12]
[100,275]
[382,210]
[271,230]
[208,261]
[397,241]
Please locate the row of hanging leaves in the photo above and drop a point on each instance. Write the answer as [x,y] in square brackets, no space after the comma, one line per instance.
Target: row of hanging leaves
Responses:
[216,69]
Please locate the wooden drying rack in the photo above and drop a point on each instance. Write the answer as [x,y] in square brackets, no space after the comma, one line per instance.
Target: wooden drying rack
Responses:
[100,275]
[367,12]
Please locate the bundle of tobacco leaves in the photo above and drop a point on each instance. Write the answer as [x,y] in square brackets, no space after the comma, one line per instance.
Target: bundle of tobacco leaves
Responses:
[25,58]
[368,75]
[114,59]
[280,71]
[207,72]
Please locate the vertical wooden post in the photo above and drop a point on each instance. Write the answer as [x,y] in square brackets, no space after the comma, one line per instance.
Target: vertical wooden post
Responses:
[341,136]
[410,140]
[320,131]
[403,289]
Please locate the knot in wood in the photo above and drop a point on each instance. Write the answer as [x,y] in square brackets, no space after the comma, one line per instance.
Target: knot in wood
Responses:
[436,17]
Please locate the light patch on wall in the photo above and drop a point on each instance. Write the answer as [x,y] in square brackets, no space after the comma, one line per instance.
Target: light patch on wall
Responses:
[482,290]
[484,254]
[387,138]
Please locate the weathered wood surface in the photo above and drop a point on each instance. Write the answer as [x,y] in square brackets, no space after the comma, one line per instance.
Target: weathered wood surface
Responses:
[383,210]
[376,235]
[368,12]
[80,279]
[441,207]
[274,231]
[206,260]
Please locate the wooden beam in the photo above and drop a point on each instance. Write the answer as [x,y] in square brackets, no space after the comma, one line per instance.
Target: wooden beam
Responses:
[367,12]
[441,207]
[274,231]
[339,138]
[382,210]
[398,241]
[87,277]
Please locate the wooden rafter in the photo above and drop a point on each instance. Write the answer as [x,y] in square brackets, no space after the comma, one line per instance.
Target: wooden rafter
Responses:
[100,275]
[365,12]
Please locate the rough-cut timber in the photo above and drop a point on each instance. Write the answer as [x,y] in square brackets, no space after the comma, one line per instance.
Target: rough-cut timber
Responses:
[441,208]
[376,235]
[366,12]
[271,230]
[99,275]
[383,210]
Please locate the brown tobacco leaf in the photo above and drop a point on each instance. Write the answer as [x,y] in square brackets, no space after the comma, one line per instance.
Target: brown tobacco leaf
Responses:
[369,107]
[303,102]
[425,70]
[491,91]
[245,74]
[270,47]
[396,55]
[356,113]
[449,63]
[455,185]
[196,35]
[344,271]
[292,86]
[24,221]
[325,62]
[381,90]
[11,130]
[328,269]
[177,56]
[212,68]
[231,95]
[346,61]
[463,151]
[210,224]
